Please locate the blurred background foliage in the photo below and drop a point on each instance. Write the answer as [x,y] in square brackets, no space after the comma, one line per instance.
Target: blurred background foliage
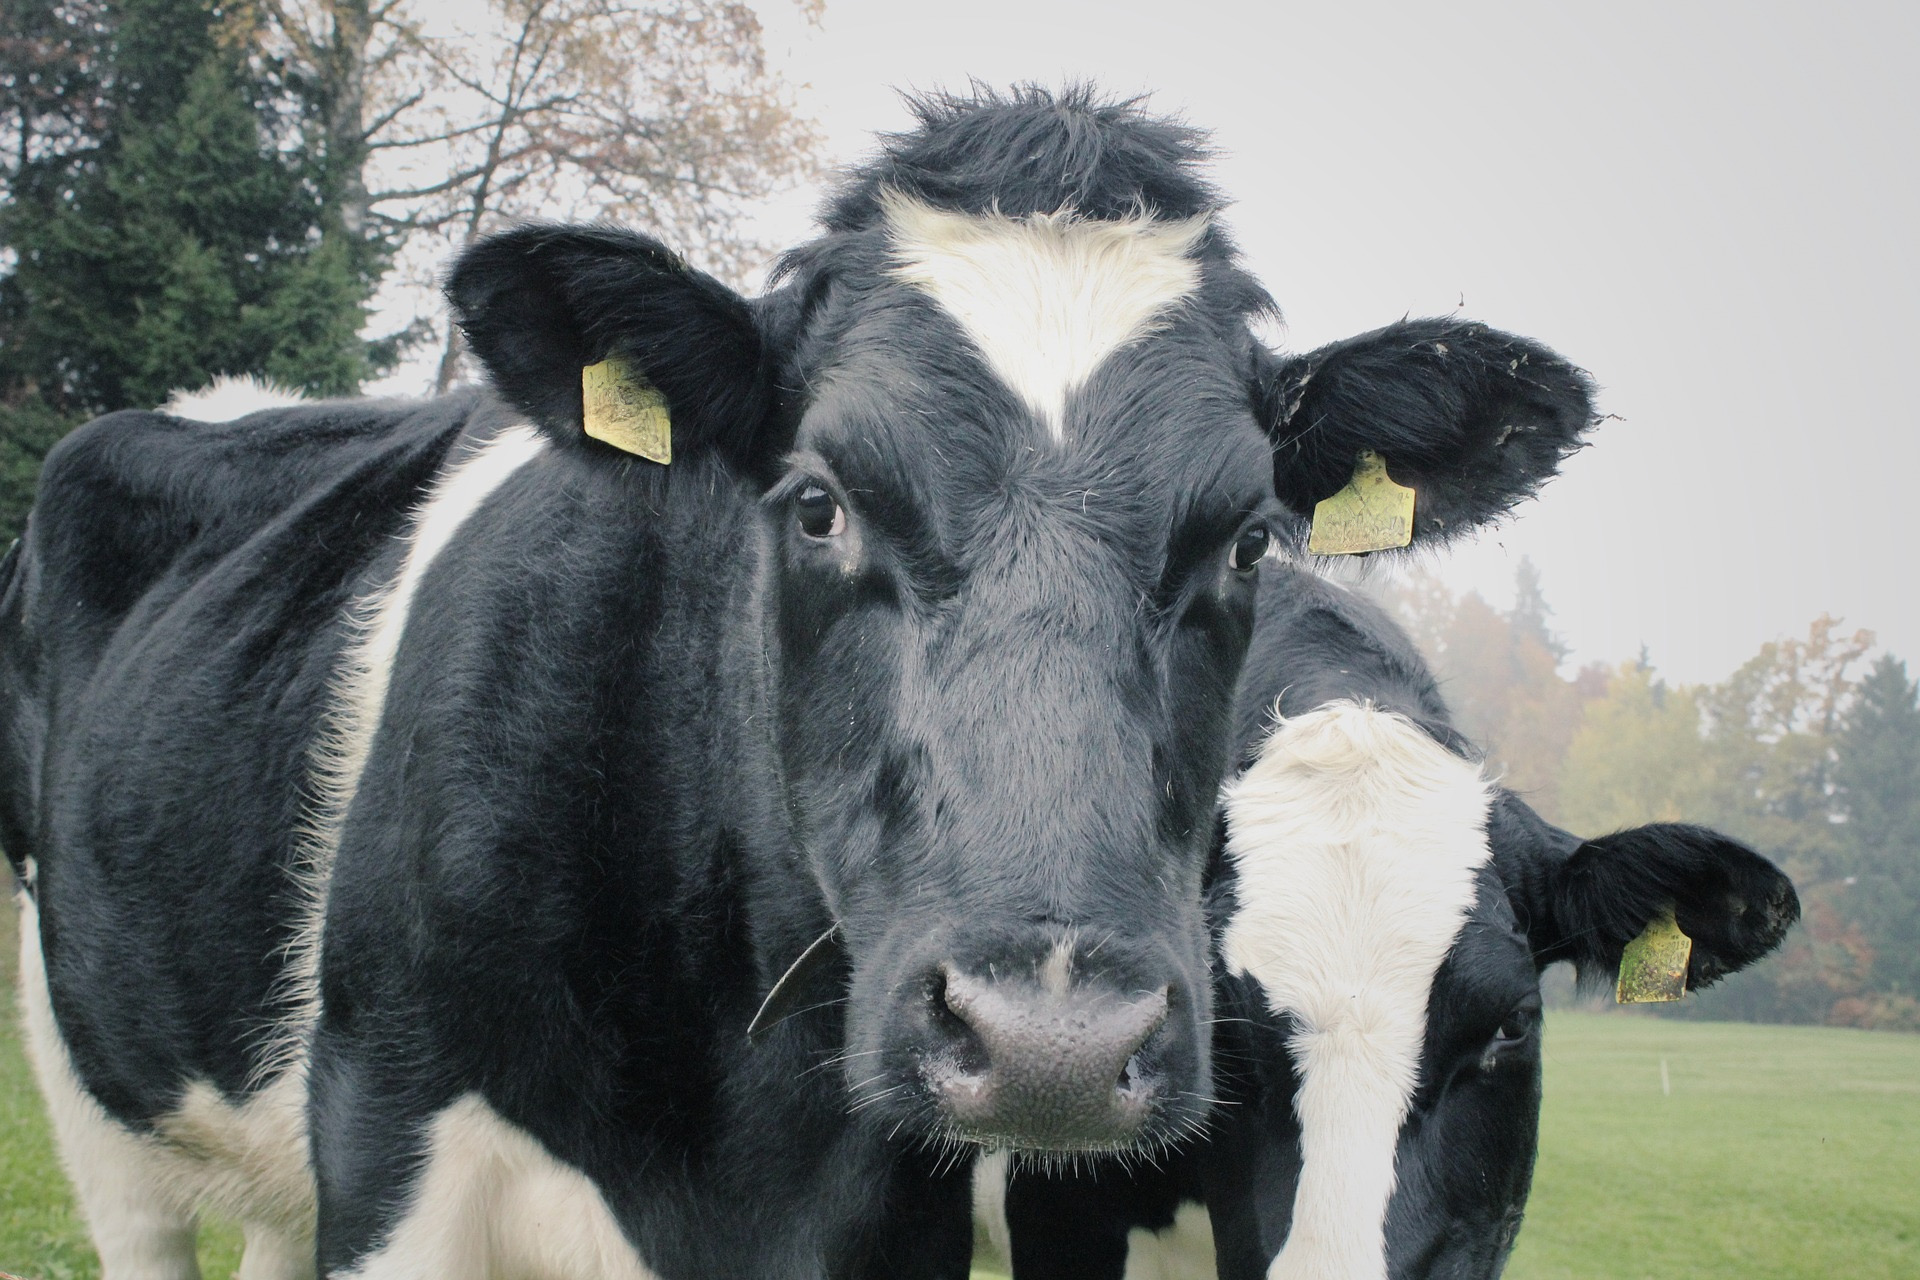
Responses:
[1810,752]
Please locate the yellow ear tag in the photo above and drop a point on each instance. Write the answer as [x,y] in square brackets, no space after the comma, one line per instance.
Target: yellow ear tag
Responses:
[626,411]
[1371,514]
[1653,968]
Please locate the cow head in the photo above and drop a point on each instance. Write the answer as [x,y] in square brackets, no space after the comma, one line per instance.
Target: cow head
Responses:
[1390,915]
[1015,454]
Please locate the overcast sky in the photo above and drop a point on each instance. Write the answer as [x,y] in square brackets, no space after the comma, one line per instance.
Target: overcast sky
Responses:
[1714,208]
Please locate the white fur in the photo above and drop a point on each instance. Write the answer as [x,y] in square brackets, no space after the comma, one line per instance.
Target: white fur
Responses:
[491,1204]
[140,1192]
[990,1174]
[141,1223]
[1047,299]
[228,397]
[1184,1251]
[361,695]
[1356,839]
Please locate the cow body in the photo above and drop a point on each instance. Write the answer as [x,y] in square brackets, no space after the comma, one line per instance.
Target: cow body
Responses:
[1383,913]
[416,803]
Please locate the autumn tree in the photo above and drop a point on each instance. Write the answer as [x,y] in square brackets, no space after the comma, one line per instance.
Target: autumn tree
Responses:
[1637,756]
[1772,731]
[660,114]
[1500,672]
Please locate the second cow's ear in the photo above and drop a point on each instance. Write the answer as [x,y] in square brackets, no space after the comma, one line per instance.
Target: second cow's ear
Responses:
[540,303]
[1472,419]
[1733,903]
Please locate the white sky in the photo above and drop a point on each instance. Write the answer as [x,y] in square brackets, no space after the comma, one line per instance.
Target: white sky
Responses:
[1712,207]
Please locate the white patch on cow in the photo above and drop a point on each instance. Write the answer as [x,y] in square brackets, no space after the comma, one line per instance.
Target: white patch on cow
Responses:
[249,1161]
[1356,838]
[227,398]
[360,697]
[1047,299]
[490,1202]
[1184,1251]
[141,1222]
[141,1192]
[990,1174]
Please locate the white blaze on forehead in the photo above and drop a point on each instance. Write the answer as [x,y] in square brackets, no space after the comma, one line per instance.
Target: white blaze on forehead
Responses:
[1047,299]
[1356,838]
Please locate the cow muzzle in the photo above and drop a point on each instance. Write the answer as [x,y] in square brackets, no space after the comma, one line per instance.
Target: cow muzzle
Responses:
[1045,1052]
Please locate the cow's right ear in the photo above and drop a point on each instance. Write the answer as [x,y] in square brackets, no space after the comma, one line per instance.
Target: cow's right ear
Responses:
[1471,419]
[540,303]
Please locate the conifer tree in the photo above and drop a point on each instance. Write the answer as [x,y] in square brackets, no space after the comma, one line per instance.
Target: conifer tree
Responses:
[1877,773]
[164,223]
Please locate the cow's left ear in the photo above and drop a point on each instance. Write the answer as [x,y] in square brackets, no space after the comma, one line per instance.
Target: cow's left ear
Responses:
[1471,419]
[1733,903]
[540,303]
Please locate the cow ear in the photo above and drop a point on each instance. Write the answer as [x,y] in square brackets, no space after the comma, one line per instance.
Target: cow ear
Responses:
[1733,903]
[1471,419]
[540,303]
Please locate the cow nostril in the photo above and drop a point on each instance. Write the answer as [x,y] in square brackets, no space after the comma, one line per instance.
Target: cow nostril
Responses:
[948,1010]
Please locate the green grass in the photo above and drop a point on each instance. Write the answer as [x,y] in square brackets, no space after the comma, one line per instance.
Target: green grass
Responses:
[1780,1153]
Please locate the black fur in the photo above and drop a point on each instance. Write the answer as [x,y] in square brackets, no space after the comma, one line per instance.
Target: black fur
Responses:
[1734,904]
[1033,151]
[1465,1156]
[646,737]
[539,303]
[1472,419]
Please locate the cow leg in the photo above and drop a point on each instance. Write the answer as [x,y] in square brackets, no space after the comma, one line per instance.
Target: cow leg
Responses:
[141,1226]
[488,1200]
[274,1254]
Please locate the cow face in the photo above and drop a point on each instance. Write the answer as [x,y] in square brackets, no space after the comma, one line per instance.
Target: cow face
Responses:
[1016,455]
[1391,915]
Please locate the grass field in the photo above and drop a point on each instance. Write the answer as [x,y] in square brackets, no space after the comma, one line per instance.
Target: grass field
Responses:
[1775,1153]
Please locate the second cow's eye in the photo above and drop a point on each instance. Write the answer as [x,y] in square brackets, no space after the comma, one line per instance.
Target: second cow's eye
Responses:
[1248,549]
[819,515]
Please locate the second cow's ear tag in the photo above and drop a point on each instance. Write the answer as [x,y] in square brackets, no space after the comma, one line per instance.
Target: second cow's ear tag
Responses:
[1653,968]
[1371,514]
[626,411]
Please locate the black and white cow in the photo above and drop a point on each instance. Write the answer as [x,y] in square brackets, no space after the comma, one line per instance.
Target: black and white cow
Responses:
[1383,913]
[414,803]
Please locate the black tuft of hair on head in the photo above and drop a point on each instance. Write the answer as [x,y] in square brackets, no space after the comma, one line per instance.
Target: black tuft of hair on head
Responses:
[1028,151]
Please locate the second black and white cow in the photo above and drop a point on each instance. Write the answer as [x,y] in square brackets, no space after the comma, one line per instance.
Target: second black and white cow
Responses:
[1383,914]
[415,803]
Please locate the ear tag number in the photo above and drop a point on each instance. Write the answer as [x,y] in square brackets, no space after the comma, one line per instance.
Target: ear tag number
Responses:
[626,411]
[1371,514]
[1653,968]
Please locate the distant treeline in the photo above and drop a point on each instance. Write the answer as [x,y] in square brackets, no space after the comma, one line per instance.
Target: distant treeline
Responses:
[1810,752]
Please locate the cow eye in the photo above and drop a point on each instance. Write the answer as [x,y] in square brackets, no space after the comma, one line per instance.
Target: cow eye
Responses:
[819,515]
[1518,1025]
[1248,549]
